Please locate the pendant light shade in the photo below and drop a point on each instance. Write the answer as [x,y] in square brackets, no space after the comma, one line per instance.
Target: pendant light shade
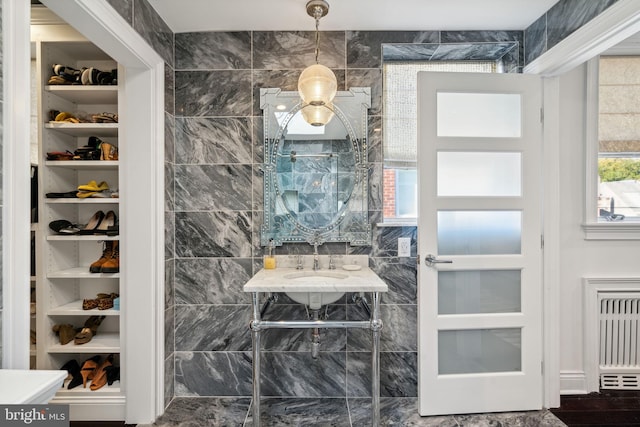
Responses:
[317,115]
[317,85]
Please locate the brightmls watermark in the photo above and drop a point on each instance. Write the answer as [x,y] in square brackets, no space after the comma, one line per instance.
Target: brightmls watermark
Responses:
[34,415]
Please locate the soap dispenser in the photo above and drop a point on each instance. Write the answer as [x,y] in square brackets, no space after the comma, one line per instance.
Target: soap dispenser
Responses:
[270,258]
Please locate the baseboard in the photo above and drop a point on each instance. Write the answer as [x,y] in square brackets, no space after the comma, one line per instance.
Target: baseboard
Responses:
[573,382]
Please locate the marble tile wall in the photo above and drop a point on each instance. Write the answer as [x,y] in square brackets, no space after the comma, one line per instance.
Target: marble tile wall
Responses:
[218,154]
[144,19]
[557,23]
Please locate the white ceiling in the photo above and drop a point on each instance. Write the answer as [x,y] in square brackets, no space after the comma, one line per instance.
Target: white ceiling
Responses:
[393,15]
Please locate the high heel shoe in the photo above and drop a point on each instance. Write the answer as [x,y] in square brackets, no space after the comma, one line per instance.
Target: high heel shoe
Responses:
[108,225]
[113,374]
[93,223]
[89,331]
[65,332]
[88,369]
[100,374]
[73,369]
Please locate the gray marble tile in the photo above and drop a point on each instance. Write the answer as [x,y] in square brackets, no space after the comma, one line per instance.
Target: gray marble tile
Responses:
[398,374]
[486,36]
[472,51]
[300,339]
[213,187]
[364,47]
[153,29]
[169,138]
[374,140]
[201,411]
[124,8]
[399,332]
[213,140]
[169,331]
[535,39]
[213,374]
[169,283]
[409,51]
[325,412]
[542,418]
[375,186]
[169,187]
[371,78]
[212,280]
[213,50]
[213,234]
[510,61]
[169,375]
[169,89]
[400,275]
[257,186]
[213,93]
[169,235]
[566,16]
[257,133]
[298,375]
[395,411]
[213,327]
[386,240]
[286,50]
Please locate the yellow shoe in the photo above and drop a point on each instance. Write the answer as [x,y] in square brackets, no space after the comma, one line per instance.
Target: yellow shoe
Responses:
[94,186]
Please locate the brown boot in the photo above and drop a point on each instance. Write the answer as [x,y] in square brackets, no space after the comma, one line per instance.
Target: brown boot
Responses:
[112,265]
[96,266]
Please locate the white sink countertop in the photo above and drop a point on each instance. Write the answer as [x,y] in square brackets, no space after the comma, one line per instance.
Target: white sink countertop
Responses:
[286,278]
[29,386]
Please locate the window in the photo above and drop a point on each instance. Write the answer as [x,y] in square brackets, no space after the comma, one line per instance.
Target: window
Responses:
[400,136]
[613,148]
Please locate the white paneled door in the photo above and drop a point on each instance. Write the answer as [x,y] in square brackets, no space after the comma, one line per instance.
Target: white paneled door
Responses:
[479,243]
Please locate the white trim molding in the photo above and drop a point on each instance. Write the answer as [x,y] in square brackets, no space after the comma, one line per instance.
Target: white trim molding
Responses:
[591,287]
[16,202]
[572,382]
[618,22]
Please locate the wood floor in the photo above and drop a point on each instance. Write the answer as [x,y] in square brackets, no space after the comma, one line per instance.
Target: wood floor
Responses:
[609,408]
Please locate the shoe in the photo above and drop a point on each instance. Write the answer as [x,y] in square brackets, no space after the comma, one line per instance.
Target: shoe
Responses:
[88,369]
[89,304]
[68,195]
[65,332]
[93,186]
[93,223]
[100,374]
[62,226]
[96,266]
[73,369]
[108,225]
[60,155]
[112,265]
[108,151]
[113,374]
[89,331]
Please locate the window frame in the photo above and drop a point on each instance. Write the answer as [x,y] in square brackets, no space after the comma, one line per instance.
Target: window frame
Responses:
[593,229]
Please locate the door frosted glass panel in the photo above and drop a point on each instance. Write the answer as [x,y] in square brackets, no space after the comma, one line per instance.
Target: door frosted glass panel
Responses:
[479,350]
[491,174]
[479,232]
[479,291]
[496,115]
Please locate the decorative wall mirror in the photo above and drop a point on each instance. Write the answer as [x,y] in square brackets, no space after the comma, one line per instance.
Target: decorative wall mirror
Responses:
[315,177]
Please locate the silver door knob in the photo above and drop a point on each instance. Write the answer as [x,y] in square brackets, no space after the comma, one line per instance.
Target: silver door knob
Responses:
[430,260]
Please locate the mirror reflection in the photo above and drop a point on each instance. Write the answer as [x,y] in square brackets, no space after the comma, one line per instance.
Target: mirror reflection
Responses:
[315,175]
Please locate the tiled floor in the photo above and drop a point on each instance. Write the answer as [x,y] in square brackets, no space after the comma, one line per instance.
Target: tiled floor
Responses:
[338,412]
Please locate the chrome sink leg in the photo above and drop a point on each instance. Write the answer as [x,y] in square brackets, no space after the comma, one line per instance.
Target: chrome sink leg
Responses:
[376,328]
[315,337]
[255,340]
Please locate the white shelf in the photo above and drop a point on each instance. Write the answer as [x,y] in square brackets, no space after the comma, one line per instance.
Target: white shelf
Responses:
[79,391]
[86,94]
[74,308]
[81,238]
[84,164]
[103,342]
[84,129]
[81,273]
[88,200]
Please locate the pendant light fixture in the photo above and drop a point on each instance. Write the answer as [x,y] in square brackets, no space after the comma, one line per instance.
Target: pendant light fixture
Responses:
[317,115]
[317,84]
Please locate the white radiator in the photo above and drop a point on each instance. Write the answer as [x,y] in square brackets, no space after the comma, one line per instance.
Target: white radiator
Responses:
[619,340]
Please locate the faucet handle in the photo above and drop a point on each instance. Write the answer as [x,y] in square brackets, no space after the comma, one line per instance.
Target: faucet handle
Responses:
[299,265]
[332,265]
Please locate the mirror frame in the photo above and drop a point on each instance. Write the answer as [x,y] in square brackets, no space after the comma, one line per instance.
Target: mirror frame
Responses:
[351,223]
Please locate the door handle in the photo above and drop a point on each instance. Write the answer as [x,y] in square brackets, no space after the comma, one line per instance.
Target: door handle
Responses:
[430,260]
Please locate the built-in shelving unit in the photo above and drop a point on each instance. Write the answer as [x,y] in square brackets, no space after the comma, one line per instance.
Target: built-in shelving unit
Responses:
[62,272]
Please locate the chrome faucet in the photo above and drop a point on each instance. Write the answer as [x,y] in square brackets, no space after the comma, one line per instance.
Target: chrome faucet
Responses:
[316,257]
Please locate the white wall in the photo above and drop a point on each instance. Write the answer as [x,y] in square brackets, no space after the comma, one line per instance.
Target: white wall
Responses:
[580,258]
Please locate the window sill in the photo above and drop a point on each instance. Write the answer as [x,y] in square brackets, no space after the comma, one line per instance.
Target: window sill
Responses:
[616,231]
[398,223]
